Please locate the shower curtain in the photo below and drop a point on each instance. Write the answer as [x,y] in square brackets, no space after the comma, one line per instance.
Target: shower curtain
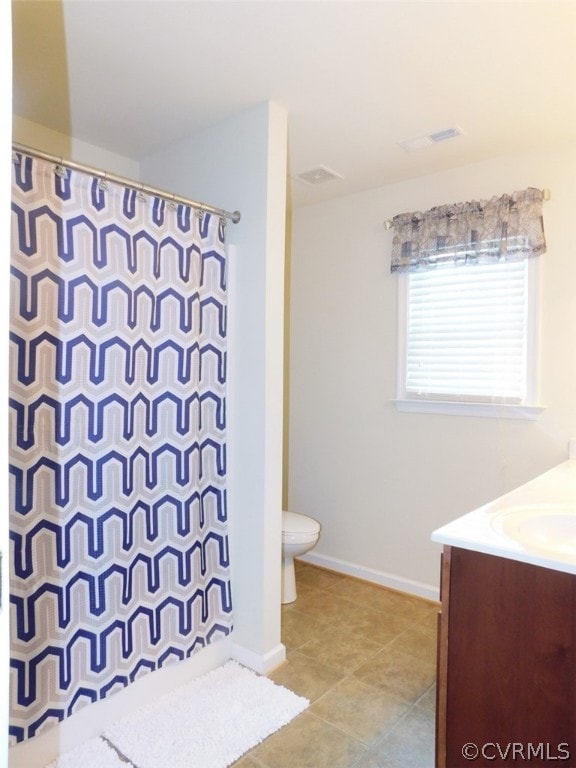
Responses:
[118,524]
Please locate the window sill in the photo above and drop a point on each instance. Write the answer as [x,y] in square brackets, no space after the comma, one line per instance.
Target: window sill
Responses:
[454,408]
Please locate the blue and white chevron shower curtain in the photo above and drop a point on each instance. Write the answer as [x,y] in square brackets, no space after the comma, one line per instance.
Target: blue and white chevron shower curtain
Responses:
[119,548]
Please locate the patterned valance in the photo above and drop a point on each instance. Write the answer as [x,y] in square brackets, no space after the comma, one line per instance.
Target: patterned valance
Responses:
[508,227]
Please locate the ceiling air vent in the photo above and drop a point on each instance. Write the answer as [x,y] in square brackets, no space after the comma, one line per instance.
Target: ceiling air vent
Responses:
[421,142]
[319,175]
[447,133]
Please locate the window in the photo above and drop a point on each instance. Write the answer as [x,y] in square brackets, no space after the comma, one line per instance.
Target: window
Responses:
[469,339]
[468,308]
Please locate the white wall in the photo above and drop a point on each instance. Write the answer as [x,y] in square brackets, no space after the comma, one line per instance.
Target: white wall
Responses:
[380,481]
[241,164]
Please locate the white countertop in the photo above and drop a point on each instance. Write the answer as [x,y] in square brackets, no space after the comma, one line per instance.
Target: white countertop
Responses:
[477,531]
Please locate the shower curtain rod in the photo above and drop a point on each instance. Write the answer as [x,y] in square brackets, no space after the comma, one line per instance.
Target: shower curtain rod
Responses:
[388,224]
[136,185]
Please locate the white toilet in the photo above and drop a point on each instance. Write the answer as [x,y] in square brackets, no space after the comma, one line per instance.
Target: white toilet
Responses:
[299,535]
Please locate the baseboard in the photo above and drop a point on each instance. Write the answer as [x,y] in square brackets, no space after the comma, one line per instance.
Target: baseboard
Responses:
[92,719]
[399,583]
[263,664]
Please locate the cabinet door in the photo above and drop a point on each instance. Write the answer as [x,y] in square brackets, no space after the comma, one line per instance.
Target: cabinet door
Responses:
[510,663]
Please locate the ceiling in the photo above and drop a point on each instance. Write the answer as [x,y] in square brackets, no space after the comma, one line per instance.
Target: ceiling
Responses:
[356,78]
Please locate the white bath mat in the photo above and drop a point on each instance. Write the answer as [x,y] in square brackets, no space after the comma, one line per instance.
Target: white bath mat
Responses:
[92,754]
[208,723]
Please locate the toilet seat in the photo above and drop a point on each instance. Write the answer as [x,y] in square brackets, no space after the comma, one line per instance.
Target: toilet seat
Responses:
[298,528]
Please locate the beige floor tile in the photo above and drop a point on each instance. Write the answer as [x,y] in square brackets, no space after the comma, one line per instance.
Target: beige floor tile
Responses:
[306,677]
[382,599]
[400,674]
[299,628]
[308,742]
[359,709]
[365,657]
[380,626]
[325,606]
[360,591]
[427,701]
[246,762]
[319,578]
[417,641]
[430,621]
[410,744]
[342,649]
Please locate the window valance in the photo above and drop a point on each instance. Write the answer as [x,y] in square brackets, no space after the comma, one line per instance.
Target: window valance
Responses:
[509,227]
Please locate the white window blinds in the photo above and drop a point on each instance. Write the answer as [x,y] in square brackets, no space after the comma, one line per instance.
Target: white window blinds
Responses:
[467,332]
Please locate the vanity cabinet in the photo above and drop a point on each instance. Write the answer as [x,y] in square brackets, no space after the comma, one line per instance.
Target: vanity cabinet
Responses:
[506,663]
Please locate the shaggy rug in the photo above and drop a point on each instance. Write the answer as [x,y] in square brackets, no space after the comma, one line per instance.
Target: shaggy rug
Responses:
[95,753]
[208,723]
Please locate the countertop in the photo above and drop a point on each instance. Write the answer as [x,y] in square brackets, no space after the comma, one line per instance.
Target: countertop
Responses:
[477,530]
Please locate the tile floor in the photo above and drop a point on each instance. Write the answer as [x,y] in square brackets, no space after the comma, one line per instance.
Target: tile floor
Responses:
[365,656]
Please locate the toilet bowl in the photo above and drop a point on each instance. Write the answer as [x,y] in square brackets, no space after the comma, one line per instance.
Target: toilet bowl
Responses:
[299,535]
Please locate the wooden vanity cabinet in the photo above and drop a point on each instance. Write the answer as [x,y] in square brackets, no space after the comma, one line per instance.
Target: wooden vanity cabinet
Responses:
[506,663]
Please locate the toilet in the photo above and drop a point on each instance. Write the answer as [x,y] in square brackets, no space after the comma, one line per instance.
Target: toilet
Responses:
[299,535]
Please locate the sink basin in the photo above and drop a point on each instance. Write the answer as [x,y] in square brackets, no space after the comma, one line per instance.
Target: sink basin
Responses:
[545,528]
